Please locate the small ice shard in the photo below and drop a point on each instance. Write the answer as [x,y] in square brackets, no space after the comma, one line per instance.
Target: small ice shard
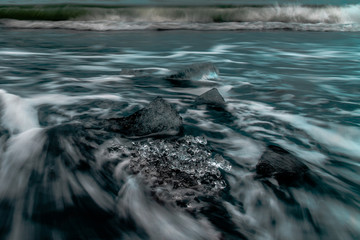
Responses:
[198,71]
[158,118]
[212,98]
[283,166]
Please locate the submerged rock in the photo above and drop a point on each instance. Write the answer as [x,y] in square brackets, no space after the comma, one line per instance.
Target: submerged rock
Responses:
[199,71]
[136,72]
[283,166]
[158,118]
[211,98]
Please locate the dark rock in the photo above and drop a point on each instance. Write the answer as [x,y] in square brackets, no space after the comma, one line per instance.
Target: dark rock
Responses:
[137,72]
[199,71]
[283,166]
[212,98]
[158,118]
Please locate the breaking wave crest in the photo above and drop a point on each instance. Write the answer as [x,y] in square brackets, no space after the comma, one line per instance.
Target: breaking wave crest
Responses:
[268,17]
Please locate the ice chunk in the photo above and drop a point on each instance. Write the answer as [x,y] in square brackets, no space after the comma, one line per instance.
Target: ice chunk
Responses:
[185,165]
[176,170]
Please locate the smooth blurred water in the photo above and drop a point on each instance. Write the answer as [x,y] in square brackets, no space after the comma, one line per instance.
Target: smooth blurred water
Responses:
[298,90]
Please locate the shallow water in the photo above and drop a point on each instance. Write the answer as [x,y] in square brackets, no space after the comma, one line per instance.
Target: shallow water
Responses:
[297,90]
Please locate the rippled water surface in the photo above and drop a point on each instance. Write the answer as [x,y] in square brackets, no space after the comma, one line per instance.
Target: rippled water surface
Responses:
[297,90]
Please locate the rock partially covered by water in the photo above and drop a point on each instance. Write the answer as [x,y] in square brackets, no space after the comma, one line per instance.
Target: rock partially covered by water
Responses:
[211,98]
[136,72]
[283,166]
[158,118]
[198,71]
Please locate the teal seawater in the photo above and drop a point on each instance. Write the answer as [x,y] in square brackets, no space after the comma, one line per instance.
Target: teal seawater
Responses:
[297,90]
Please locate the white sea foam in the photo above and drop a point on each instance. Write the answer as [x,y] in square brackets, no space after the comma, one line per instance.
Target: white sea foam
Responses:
[160,222]
[60,99]
[337,138]
[15,52]
[94,68]
[136,26]
[16,167]
[20,114]
[17,114]
[274,13]
[277,17]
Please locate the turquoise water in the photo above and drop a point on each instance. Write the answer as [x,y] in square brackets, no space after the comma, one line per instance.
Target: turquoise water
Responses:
[297,89]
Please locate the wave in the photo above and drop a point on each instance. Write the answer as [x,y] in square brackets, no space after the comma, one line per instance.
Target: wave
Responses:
[267,17]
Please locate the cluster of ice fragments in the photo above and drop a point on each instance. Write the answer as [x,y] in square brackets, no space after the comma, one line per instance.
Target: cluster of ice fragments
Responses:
[179,170]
